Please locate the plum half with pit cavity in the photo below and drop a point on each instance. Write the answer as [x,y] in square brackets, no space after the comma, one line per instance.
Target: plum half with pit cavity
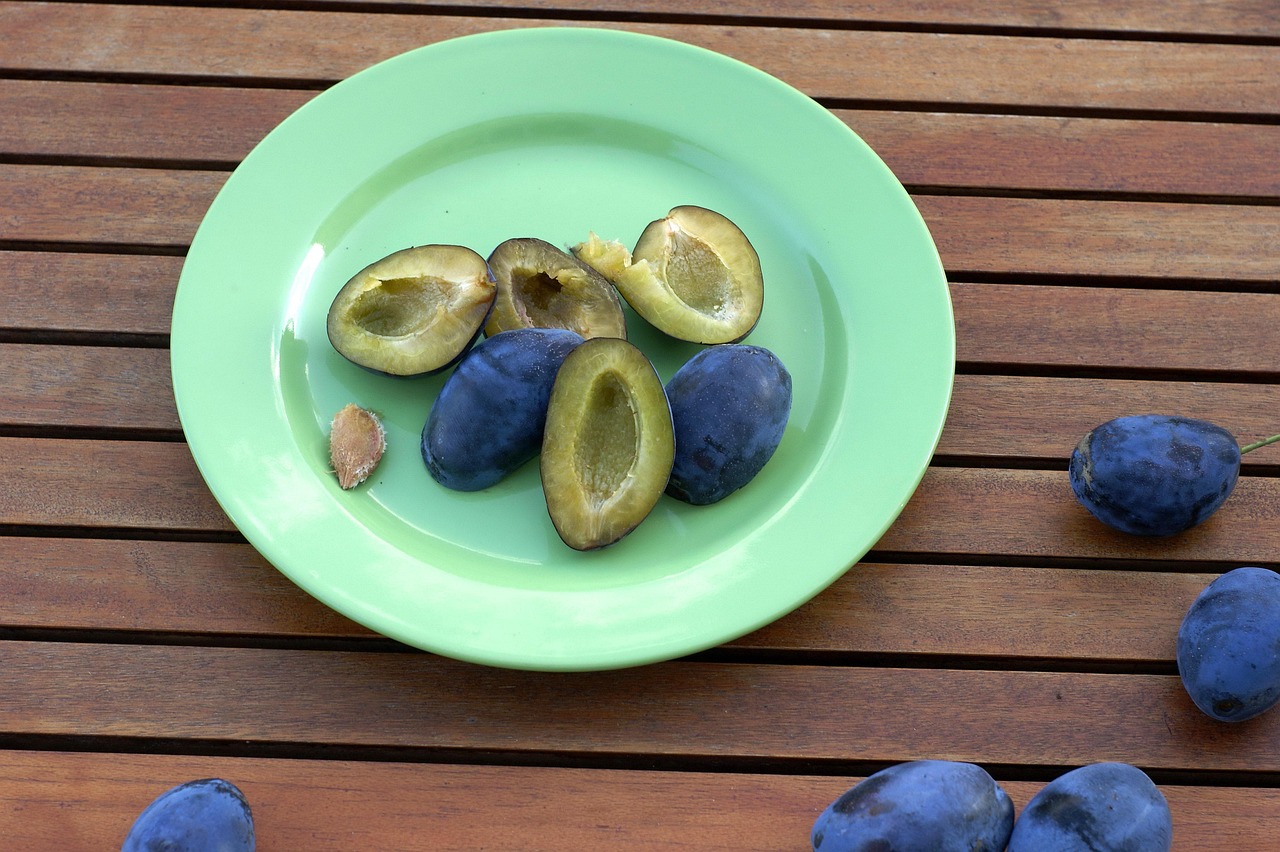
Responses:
[540,286]
[413,312]
[608,445]
[693,275]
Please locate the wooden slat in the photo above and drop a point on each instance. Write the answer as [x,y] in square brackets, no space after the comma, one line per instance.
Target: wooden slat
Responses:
[86,386]
[157,587]
[102,293]
[1073,154]
[141,485]
[1106,238]
[1025,512]
[40,118]
[1014,614]
[194,124]
[685,711]
[77,204]
[893,66]
[974,234]
[1125,328]
[1254,18]
[1032,513]
[1002,417]
[899,609]
[337,806]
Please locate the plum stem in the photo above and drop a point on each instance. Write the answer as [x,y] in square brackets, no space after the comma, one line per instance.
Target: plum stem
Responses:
[1248,448]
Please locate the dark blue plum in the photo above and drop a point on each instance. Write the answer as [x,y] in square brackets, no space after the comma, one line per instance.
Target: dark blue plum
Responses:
[1102,807]
[210,815]
[1154,475]
[488,417]
[730,405]
[921,806]
[1229,645]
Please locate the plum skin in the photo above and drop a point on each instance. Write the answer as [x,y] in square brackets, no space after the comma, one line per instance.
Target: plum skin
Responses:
[488,417]
[1098,806]
[206,814]
[730,404]
[1154,475]
[918,806]
[1229,645]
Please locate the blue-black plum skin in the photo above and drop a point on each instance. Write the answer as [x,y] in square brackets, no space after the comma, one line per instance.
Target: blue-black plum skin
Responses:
[209,814]
[489,415]
[1154,475]
[1105,807]
[729,404]
[919,806]
[1229,645]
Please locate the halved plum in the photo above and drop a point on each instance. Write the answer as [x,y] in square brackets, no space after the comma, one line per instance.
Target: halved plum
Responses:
[693,275]
[540,286]
[413,312]
[608,445]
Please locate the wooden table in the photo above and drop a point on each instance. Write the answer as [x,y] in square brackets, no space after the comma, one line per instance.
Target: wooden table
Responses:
[1102,184]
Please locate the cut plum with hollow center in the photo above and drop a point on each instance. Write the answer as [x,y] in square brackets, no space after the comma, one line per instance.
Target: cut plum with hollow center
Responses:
[608,445]
[400,306]
[693,275]
[413,312]
[540,286]
[698,276]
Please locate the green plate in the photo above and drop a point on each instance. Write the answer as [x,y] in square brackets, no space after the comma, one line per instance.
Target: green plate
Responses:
[554,133]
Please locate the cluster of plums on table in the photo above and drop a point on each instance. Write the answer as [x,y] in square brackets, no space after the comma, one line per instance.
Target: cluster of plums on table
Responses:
[949,806]
[1159,475]
[556,378]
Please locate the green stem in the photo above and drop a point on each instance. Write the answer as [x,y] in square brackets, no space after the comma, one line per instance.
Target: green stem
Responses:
[1248,448]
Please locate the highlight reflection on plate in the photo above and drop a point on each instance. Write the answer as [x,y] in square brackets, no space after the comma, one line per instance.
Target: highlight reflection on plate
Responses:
[476,140]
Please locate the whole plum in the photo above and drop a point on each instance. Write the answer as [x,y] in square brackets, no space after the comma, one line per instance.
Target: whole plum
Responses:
[209,814]
[730,404]
[489,416]
[1104,807]
[1154,475]
[1229,645]
[919,806]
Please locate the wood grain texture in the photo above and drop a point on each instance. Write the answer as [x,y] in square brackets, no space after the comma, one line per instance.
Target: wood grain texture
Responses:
[1007,417]
[88,387]
[88,801]
[77,204]
[1017,614]
[140,485]
[1215,18]
[1032,513]
[158,587]
[1055,73]
[86,292]
[1116,327]
[677,711]
[1032,236]
[1050,153]
[220,125]
[1024,236]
